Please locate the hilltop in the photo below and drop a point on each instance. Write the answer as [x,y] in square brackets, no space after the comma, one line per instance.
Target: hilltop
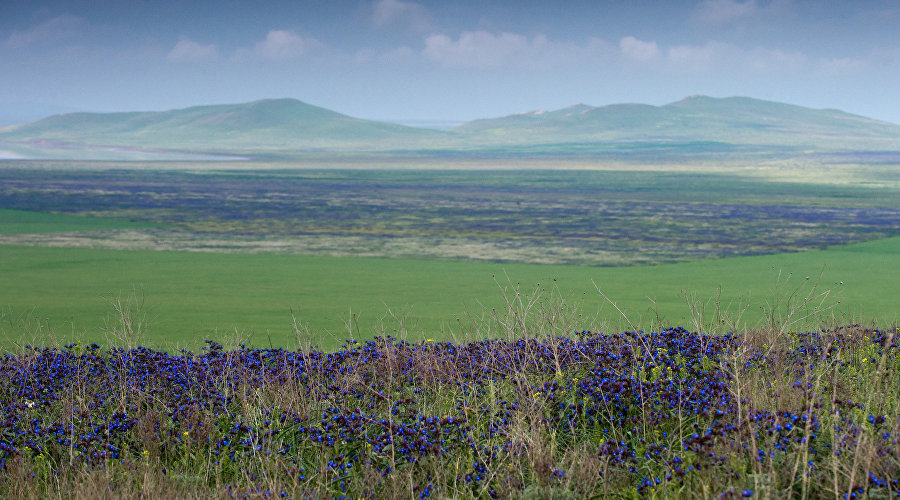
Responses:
[289,125]
[269,124]
[732,120]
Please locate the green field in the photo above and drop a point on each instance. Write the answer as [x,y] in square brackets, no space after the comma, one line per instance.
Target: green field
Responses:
[27,222]
[228,252]
[573,216]
[190,297]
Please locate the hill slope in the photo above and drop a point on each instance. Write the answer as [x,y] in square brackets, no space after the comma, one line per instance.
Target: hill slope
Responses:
[291,125]
[281,124]
[735,120]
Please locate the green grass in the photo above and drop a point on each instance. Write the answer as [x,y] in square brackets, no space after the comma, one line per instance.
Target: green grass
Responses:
[190,297]
[571,217]
[25,222]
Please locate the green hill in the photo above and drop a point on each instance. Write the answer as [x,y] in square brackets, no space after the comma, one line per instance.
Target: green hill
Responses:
[733,120]
[271,124]
[286,125]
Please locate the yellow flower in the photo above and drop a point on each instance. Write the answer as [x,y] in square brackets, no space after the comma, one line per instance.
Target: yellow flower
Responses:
[429,340]
[185,433]
[145,452]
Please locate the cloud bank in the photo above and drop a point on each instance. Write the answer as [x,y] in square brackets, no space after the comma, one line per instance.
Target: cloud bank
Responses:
[61,27]
[638,49]
[279,45]
[187,50]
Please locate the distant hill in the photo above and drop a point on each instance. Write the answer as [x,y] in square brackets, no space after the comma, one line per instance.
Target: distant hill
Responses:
[733,120]
[271,124]
[290,125]
[19,112]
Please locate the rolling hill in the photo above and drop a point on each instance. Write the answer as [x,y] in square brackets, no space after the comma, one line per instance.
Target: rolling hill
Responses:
[271,124]
[733,120]
[290,125]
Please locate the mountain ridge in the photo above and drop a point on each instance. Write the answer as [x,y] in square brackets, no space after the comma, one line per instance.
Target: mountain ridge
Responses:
[287,124]
[264,123]
[732,119]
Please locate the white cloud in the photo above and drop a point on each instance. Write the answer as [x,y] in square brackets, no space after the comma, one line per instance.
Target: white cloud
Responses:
[638,49]
[481,49]
[59,28]
[281,44]
[392,13]
[486,50]
[187,50]
[278,45]
[724,11]
[475,48]
[713,56]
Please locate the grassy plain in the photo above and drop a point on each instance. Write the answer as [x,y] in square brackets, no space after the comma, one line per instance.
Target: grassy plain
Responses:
[27,222]
[267,238]
[195,296]
[769,412]
[581,217]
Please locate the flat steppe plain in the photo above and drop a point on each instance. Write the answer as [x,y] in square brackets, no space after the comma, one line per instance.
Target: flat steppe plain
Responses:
[422,247]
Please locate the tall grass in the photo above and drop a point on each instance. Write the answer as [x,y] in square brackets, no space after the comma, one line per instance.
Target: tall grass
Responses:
[532,399]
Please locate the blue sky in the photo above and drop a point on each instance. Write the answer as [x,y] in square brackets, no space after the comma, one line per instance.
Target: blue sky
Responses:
[445,61]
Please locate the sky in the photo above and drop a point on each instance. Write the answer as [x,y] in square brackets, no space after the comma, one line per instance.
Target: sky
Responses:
[442,62]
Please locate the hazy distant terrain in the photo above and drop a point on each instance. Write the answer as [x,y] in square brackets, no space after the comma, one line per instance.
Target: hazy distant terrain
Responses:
[693,125]
[275,124]
[696,182]
[735,120]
